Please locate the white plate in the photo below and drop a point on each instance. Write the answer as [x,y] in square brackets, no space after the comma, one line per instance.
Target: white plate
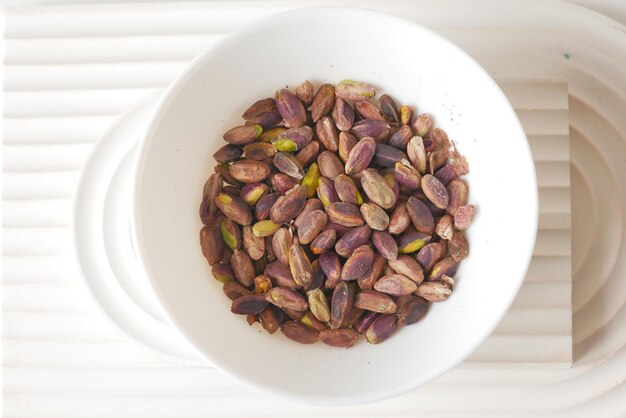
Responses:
[104,247]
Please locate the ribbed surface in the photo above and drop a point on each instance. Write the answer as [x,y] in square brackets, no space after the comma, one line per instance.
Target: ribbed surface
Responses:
[69,70]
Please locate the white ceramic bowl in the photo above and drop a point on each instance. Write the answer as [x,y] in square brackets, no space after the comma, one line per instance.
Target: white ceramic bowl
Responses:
[417,67]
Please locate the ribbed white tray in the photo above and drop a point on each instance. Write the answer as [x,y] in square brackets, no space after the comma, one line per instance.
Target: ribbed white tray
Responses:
[61,358]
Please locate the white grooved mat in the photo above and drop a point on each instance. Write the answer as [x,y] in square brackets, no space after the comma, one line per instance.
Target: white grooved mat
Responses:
[70,70]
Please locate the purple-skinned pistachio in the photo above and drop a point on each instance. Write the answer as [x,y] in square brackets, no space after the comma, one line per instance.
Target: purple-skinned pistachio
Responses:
[420,215]
[290,108]
[463,217]
[352,239]
[458,194]
[343,115]
[331,266]
[406,175]
[243,268]
[305,92]
[286,298]
[311,226]
[259,151]
[287,163]
[411,309]
[242,135]
[293,139]
[264,204]
[421,125]
[224,171]
[412,241]
[347,191]
[266,120]
[282,183]
[435,191]
[249,171]
[417,154]
[409,267]
[377,129]
[360,156]
[458,246]
[375,216]
[399,219]
[344,213]
[280,274]
[323,101]
[271,318]
[252,192]
[347,141]
[234,290]
[281,242]
[374,273]
[433,291]
[253,244]
[387,156]
[341,303]
[351,90]
[309,153]
[310,205]
[447,267]
[400,139]
[327,133]
[300,265]
[358,263]
[395,285]
[231,234]
[377,189]
[330,165]
[299,332]
[258,108]
[342,337]
[428,256]
[446,174]
[234,208]
[222,272]
[381,328]
[227,154]
[211,243]
[368,110]
[326,191]
[389,109]
[287,207]
[325,241]
[372,300]
[385,244]
[249,304]
[365,321]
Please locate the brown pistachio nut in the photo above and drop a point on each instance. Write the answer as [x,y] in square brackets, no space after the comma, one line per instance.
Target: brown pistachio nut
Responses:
[311,180]
[344,213]
[226,255]
[433,291]
[205,216]
[231,234]
[341,230]
[312,225]
[430,254]
[399,219]
[326,191]
[406,175]
[341,304]
[385,244]
[327,133]
[212,187]
[420,215]
[299,332]
[358,263]
[287,207]
[264,228]
[305,92]
[234,290]
[266,120]
[458,246]
[381,328]
[310,205]
[318,304]
[360,155]
[411,309]
[377,190]
[351,90]
[421,125]
[352,239]
[290,108]
[249,304]
[406,115]
[311,321]
[308,154]
[224,171]
[389,109]
[342,337]
[353,317]
[400,139]
[446,266]
[259,107]
[286,298]
[323,101]
[373,274]
[269,134]
[234,208]
[343,115]
[365,321]
[280,274]
[281,242]
[412,241]
[249,171]
[325,241]
[437,159]
[271,318]
[300,265]
[347,191]
[222,272]
[463,217]
[331,266]
[264,204]
[330,165]
[417,154]
[409,267]
[445,227]
[387,156]
[368,110]
[252,192]
[288,164]
[395,285]
[212,243]
[262,284]
[446,174]
[377,129]
[374,301]
[243,134]
[232,190]
[347,141]
[242,267]
[435,191]
[228,153]
[293,139]
[375,216]
[254,245]
[458,191]
[318,276]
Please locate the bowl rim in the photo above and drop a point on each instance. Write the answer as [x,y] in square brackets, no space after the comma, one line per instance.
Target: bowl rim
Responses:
[177,85]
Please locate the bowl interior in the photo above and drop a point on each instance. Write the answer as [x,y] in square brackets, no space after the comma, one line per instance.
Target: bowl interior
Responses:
[416,67]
